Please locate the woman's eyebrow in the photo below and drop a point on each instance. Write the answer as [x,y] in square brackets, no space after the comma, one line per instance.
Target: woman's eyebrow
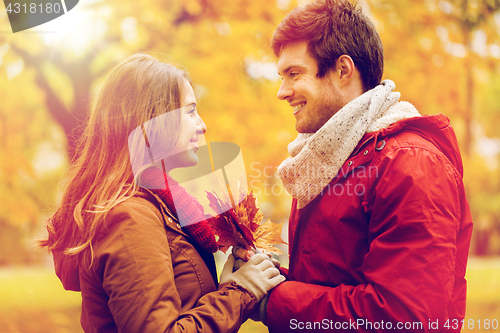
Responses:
[190,105]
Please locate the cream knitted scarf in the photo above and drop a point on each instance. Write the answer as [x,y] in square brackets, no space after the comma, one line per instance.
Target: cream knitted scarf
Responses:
[315,158]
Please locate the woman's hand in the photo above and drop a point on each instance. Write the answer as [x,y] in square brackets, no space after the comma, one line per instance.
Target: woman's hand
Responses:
[258,275]
[242,255]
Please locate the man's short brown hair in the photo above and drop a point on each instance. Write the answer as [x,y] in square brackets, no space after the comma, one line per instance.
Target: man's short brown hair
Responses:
[332,28]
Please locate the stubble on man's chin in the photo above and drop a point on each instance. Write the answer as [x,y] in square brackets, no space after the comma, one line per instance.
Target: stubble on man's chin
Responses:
[325,112]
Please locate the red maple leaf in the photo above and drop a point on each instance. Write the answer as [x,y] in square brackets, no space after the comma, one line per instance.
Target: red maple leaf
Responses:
[240,223]
[226,226]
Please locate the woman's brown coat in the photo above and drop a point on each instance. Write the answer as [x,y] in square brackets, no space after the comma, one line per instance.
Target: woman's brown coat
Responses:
[147,276]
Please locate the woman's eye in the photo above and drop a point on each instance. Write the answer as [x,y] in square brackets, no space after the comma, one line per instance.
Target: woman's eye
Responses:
[191,109]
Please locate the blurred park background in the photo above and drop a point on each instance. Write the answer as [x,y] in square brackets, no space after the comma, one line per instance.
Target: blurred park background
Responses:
[444,57]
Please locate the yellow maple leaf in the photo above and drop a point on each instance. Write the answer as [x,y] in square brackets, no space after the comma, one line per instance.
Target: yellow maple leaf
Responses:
[269,233]
[247,219]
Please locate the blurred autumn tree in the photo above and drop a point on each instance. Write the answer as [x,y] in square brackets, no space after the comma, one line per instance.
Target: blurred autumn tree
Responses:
[445,58]
[443,55]
[223,44]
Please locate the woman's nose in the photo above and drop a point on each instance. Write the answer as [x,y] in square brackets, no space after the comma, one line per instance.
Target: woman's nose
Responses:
[201,125]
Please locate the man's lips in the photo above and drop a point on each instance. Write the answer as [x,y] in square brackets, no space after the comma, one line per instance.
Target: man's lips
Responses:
[297,107]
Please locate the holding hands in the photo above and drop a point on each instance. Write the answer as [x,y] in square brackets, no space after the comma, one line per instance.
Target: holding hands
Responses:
[258,275]
[242,256]
[244,262]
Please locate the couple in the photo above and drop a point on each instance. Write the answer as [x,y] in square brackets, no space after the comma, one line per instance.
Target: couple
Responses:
[379,229]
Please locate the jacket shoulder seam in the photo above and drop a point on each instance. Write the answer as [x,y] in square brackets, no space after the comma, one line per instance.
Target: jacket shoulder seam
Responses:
[127,204]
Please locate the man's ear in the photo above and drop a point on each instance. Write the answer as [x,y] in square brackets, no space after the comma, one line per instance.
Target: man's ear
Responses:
[345,69]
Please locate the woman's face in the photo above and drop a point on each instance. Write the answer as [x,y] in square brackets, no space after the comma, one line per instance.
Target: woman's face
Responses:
[191,127]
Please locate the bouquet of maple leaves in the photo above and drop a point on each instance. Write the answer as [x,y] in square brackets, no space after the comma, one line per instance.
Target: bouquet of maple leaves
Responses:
[240,224]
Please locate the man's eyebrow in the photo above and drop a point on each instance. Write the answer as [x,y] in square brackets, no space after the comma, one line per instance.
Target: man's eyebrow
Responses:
[289,68]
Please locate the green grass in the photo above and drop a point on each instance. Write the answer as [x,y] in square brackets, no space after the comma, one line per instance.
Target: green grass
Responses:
[32,289]
[483,292]
[32,300]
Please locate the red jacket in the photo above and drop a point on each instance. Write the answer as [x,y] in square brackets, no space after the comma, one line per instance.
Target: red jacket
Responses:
[385,246]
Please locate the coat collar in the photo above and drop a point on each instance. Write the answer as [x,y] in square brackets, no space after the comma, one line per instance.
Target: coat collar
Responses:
[426,126]
[436,129]
[169,218]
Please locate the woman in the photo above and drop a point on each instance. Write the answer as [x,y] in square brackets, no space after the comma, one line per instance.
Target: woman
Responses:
[116,235]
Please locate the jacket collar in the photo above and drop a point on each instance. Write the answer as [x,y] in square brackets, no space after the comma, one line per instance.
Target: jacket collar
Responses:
[170,219]
[434,128]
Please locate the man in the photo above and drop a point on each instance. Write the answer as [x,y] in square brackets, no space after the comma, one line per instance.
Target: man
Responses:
[380,227]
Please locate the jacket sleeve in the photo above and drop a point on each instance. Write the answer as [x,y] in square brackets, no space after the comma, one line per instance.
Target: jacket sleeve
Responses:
[135,266]
[414,218]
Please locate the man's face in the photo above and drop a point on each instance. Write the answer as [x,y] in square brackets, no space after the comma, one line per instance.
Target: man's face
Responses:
[314,100]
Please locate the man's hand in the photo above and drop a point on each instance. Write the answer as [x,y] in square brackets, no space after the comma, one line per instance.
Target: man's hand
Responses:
[242,256]
[258,275]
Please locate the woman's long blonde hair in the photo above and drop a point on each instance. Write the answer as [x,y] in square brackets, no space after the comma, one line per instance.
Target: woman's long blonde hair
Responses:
[135,91]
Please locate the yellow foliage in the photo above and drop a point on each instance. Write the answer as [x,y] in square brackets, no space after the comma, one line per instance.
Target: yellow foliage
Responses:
[217,42]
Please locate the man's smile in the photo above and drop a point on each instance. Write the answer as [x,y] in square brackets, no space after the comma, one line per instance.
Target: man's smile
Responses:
[298,107]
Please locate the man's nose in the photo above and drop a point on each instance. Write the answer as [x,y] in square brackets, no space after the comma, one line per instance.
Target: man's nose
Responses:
[285,90]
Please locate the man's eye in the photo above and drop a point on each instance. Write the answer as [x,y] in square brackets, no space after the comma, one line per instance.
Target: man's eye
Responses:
[293,74]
